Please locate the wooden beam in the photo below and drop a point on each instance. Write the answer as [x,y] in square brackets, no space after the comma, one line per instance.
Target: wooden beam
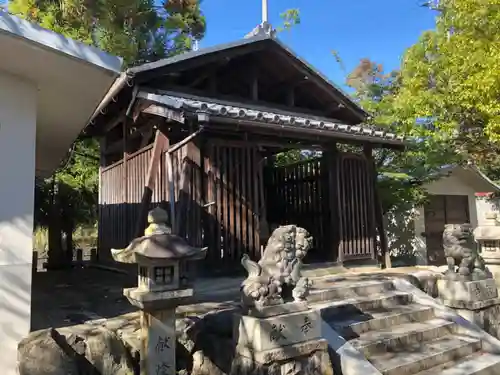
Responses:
[209,75]
[379,215]
[212,85]
[146,136]
[143,131]
[337,96]
[161,143]
[113,122]
[329,167]
[232,100]
[186,140]
[255,84]
[220,140]
[169,114]
[290,99]
[125,174]
[187,64]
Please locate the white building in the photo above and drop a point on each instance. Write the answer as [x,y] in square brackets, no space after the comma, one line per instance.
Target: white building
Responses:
[460,196]
[49,87]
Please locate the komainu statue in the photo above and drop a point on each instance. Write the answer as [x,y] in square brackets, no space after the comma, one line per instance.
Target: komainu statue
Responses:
[276,277]
[460,251]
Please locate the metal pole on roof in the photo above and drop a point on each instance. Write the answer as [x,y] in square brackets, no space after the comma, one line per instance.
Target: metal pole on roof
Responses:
[264,11]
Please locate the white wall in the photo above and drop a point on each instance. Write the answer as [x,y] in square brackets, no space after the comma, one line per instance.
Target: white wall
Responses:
[485,205]
[18,107]
[454,184]
[406,238]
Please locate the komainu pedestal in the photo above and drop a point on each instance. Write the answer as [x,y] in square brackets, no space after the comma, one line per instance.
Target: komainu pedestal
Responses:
[470,295]
[278,334]
[282,339]
[471,286]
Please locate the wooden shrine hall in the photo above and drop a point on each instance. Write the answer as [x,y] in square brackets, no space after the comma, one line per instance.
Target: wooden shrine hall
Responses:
[197,134]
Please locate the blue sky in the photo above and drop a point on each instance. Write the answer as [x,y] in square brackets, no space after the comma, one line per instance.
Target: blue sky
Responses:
[379,30]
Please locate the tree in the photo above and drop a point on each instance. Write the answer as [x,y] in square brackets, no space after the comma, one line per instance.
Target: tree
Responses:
[401,174]
[137,30]
[451,77]
[290,18]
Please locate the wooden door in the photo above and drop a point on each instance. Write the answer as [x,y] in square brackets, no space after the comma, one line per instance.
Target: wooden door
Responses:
[441,210]
[234,192]
[356,214]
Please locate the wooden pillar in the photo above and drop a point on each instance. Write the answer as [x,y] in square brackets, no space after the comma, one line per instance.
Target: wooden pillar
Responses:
[329,169]
[161,143]
[125,197]
[379,215]
[100,217]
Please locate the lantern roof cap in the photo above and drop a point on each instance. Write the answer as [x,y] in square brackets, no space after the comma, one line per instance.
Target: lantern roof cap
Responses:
[158,243]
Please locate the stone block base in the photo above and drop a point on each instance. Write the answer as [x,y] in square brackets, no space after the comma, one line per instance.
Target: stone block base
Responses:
[464,294]
[260,334]
[476,301]
[310,358]
[487,318]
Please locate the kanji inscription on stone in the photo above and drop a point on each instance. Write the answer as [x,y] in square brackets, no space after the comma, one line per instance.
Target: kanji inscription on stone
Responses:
[276,333]
[161,344]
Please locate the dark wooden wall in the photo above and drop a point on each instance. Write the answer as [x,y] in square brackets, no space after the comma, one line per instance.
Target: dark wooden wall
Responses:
[333,198]
[218,189]
[224,197]
[356,208]
[298,194]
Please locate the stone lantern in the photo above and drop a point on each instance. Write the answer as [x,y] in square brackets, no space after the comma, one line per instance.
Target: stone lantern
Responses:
[488,238]
[163,284]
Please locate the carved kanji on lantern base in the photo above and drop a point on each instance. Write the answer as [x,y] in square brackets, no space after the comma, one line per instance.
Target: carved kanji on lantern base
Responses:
[161,257]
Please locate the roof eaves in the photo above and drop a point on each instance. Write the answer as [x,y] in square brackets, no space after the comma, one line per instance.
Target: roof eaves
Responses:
[253,113]
[483,176]
[193,54]
[330,83]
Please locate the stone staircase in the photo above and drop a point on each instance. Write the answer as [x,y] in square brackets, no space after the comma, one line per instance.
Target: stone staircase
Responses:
[398,335]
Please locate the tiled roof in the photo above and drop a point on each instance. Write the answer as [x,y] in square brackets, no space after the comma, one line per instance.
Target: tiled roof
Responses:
[259,114]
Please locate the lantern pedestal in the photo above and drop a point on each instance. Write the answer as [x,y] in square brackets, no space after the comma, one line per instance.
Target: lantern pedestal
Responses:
[158,342]
[488,238]
[163,284]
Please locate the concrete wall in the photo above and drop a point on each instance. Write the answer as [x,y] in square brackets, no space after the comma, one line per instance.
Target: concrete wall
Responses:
[18,108]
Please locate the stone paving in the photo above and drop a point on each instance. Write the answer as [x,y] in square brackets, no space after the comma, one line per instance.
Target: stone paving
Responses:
[69,297]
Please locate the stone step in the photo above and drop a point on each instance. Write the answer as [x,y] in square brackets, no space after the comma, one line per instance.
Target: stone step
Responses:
[479,363]
[374,342]
[411,359]
[333,289]
[351,326]
[355,305]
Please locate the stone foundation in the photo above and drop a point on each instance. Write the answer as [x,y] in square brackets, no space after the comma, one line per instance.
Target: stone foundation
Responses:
[309,358]
[476,301]
[263,334]
[467,294]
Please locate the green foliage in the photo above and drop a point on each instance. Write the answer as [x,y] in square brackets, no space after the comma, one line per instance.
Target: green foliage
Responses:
[290,18]
[137,30]
[76,185]
[452,74]
[401,174]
